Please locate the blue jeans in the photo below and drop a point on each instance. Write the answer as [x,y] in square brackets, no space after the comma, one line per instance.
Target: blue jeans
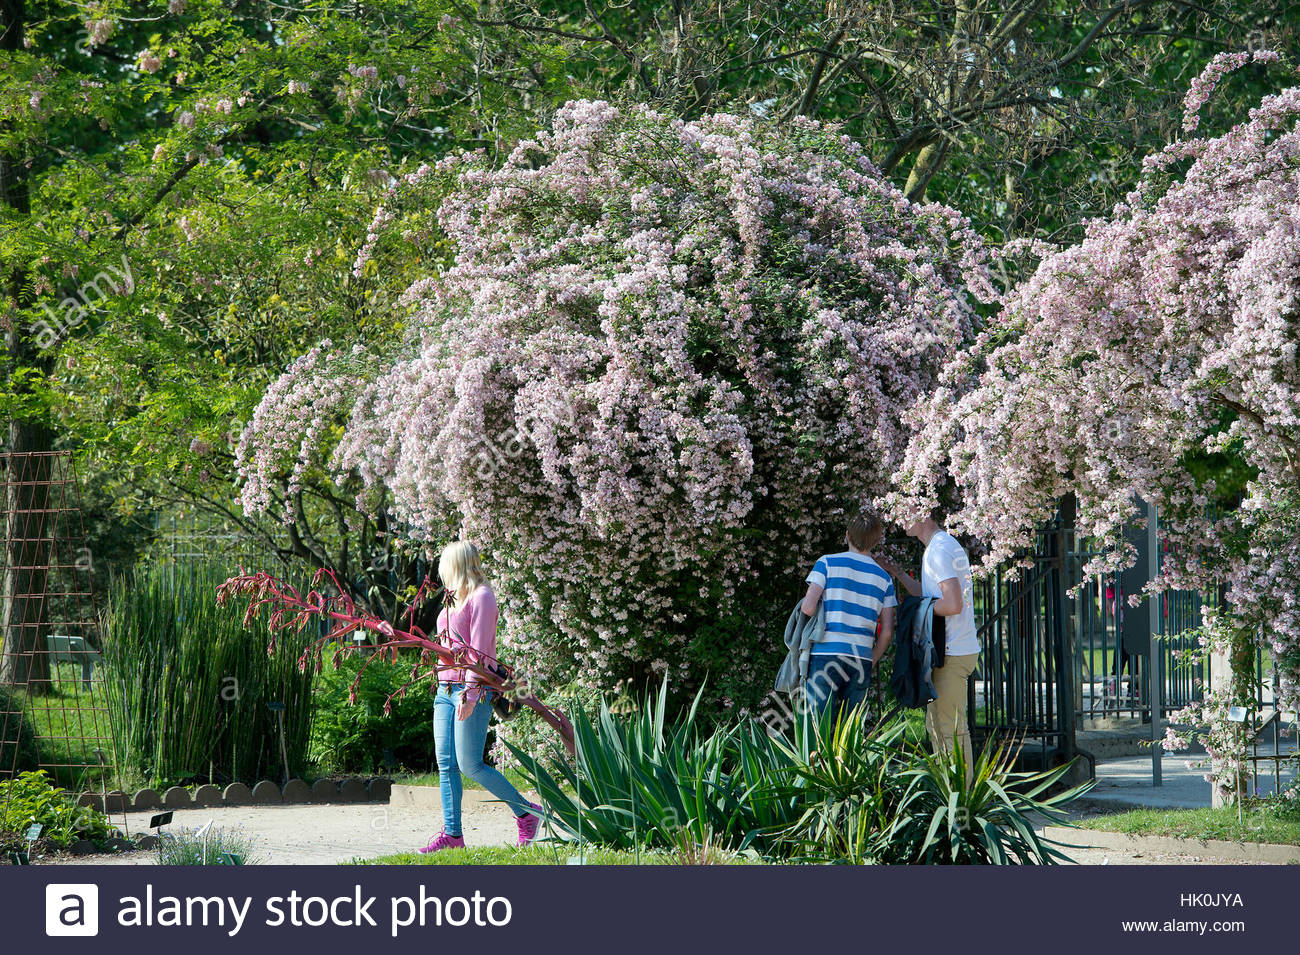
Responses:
[836,679]
[459,748]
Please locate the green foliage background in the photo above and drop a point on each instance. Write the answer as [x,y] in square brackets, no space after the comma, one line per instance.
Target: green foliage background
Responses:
[352,737]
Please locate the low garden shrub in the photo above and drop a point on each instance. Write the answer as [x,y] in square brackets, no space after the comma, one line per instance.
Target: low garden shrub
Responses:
[206,847]
[925,811]
[350,735]
[826,791]
[645,780]
[30,798]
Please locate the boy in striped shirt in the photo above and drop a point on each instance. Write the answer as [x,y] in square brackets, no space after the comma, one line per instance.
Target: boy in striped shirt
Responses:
[860,601]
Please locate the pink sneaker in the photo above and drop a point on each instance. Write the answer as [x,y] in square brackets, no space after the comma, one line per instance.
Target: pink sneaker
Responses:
[528,824]
[444,841]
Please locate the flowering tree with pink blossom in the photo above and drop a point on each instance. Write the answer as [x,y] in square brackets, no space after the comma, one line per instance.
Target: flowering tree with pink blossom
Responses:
[667,358]
[1168,334]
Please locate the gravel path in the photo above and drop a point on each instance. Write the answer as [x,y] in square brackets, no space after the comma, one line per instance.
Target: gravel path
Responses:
[326,835]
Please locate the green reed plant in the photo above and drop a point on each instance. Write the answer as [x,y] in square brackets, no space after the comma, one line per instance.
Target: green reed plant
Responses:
[188,685]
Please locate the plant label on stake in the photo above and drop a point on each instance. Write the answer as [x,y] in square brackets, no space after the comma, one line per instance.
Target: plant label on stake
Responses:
[1237,714]
[278,709]
[33,833]
[157,821]
[203,834]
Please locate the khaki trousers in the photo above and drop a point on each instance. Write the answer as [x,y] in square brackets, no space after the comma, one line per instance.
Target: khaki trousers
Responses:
[945,717]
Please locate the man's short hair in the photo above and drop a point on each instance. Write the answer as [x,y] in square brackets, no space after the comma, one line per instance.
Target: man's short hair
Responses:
[865,530]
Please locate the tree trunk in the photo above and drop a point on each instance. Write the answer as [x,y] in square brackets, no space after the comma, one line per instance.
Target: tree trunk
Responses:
[927,163]
[1232,673]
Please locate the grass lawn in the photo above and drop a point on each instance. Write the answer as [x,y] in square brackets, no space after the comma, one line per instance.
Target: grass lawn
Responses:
[537,854]
[431,779]
[915,719]
[915,725]
[1261,822]
[70,724]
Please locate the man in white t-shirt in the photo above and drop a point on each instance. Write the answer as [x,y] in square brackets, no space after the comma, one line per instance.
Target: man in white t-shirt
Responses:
[945,575]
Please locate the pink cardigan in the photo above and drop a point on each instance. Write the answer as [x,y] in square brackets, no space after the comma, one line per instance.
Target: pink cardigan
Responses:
[475,624]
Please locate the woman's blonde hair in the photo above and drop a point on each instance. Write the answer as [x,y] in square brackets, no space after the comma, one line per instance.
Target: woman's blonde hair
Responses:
[460,569]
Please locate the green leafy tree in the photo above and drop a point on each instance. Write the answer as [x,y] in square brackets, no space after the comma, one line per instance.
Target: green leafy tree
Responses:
[1018,112]
[183,188]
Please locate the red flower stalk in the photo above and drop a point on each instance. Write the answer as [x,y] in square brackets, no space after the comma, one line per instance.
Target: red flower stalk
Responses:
[290,609]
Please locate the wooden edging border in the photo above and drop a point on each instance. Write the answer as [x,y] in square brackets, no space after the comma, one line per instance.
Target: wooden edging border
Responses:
[264,793]
[1207,848]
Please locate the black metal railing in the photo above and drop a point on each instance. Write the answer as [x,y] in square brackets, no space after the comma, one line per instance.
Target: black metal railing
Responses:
[1273,744]
[1113,679]
[1024,687]
[1053,654]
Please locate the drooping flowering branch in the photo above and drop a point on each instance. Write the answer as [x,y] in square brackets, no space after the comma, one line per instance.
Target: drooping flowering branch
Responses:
[291,609]
[1129,366]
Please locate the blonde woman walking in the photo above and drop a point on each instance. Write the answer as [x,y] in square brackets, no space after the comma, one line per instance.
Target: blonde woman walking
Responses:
[462,708]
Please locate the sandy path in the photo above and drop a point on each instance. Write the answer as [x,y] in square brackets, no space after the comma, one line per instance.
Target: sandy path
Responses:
[326,835]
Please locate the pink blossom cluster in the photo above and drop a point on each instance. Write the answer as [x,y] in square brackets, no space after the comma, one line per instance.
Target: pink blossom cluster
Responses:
[221,105]
[701,340]
[285,437]
[98,31]
[1170,331]
[1201,88]
[1224,762]
[369,75]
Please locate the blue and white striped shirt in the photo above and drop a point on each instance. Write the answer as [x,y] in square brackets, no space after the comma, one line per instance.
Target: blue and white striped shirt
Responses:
[855,590]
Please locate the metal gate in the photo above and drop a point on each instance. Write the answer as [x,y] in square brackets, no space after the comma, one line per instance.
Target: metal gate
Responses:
[1052,661]
[1023,688]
